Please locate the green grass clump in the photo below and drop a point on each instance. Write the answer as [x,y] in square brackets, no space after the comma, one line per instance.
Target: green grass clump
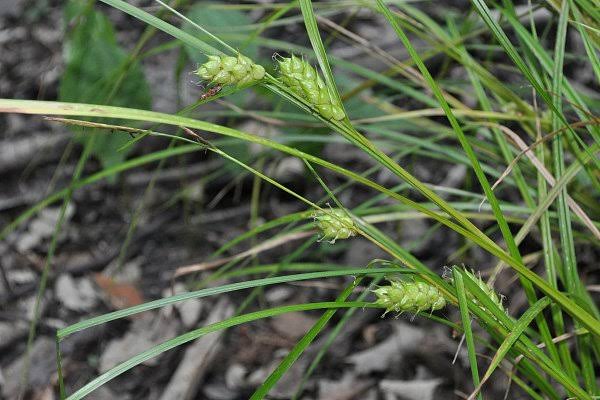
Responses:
[397,117]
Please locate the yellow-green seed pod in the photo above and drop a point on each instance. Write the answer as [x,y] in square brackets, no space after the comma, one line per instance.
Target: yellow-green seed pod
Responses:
[334,224]
[306,82]
[227,70]
[400,296]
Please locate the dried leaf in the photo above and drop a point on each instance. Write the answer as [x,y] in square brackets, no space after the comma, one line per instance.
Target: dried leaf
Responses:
[120,295]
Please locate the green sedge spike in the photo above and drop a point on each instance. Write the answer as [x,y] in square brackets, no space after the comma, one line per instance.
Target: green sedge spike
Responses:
[334,224]
[306,82]
[485,288]
[227,70]
[401,296]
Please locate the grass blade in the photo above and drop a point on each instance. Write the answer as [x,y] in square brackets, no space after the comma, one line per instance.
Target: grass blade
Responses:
[163,26]
[510,340]
[466,323]
[491,197]
[151,305]
[301,345]
[195,334]
[57,108]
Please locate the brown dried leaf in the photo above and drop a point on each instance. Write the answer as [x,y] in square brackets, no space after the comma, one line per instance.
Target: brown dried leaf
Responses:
[120,295]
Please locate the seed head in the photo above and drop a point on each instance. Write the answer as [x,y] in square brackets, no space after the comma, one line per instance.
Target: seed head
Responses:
[306,82]
[485,288]
[400,296]
[227,70]
[334,224]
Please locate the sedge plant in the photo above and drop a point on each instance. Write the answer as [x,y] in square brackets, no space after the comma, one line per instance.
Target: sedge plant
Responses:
[550,209]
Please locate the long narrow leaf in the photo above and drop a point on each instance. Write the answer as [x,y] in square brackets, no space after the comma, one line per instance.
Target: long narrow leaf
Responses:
[151,305]
[195,334]
[510,340]
[466,323]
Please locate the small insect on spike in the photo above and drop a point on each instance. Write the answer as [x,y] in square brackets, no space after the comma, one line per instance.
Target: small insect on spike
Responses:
[211,92]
